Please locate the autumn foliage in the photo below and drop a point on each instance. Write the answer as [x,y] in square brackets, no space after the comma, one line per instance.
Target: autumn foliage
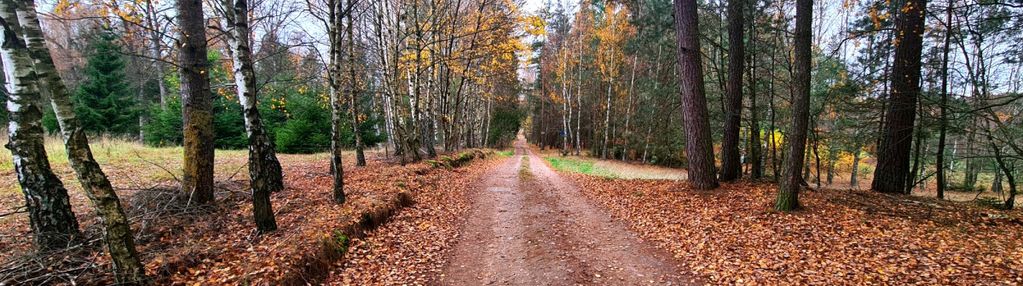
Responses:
[731,236]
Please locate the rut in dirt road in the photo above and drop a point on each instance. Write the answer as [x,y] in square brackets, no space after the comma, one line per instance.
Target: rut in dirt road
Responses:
[530,227]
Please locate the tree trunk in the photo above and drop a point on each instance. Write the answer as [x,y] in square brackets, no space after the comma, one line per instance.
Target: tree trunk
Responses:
[53,224]
[336,15]
[1010,202]
[894,151]
[579,100]
[628,110]
[694,102]
[854,175]
[607,112]
[155,48]
[788,189]
[917,144]
[939,164]
[755,149]
[566,114]
[831,169]
[816,150]
[773,119]
[117,230]
[196,103]
[360,155]
[731,168]
[264,170]
[970,178]
[996,184]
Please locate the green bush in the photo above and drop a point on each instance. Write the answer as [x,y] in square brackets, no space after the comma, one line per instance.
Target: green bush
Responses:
[505,122]
[164,126]
[229,124]
[307,128]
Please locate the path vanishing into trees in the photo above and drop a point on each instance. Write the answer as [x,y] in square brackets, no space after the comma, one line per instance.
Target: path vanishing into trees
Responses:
[529,226]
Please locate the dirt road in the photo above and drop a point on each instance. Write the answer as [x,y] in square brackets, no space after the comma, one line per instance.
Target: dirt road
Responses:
[529,226]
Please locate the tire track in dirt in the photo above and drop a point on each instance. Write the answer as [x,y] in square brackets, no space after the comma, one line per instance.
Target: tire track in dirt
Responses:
[528,226]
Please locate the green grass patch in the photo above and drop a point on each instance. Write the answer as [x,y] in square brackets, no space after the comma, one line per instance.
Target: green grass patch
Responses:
[575,165]
[507,153]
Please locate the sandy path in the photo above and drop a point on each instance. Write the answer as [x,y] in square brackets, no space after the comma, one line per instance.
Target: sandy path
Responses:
[531,227]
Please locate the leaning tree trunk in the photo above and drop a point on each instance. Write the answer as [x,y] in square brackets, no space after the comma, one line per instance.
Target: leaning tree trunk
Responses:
[196,103]
[54,225]
[1010,201]
[117,229]
[788,188]
[264,170]
[694,102]
[731,168]
[894,152]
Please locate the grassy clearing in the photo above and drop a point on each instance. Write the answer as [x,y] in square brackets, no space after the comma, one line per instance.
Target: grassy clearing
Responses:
[612,168]
[128,163]
[114,151]
[132,165]
[582,166]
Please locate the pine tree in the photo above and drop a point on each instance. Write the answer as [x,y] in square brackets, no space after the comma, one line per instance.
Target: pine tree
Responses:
[104,101]
[694,101]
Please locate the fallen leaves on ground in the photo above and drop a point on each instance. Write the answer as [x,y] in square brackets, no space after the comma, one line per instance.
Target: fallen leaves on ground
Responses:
[412,248]
[219,245]
[731,235]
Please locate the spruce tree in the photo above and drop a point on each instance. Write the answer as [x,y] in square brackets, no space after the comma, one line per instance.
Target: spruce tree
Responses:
[105,103]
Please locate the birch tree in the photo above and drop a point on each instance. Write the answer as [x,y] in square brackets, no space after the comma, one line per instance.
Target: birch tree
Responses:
[335,23]
[265,174]
[54,225]
[119,238]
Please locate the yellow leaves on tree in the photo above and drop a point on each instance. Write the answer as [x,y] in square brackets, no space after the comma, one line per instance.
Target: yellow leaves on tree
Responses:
[534,25]
[612,34]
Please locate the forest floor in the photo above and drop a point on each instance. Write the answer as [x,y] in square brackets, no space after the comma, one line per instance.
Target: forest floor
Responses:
[217,245]
[731,235]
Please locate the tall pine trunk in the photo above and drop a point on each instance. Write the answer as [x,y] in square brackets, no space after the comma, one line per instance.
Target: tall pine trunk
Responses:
[53,224]
[788,189]
[694,102]
[117,232]
[196,103]
[755,147]
[264,170]
[894,152]
[731,168]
